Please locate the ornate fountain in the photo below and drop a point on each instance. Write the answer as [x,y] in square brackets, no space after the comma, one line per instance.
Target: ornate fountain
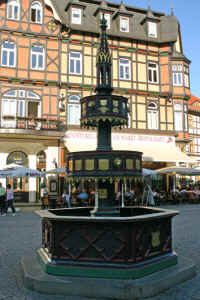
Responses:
[106,245]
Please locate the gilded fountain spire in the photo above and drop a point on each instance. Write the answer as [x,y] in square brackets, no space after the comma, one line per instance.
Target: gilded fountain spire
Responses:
[104,63]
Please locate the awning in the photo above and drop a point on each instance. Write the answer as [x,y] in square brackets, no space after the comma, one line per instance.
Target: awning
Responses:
[152,151]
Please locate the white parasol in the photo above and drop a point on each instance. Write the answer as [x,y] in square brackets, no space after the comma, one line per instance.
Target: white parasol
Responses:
[13,170]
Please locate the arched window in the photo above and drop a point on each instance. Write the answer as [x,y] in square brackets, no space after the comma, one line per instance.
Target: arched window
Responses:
[152,116]
[36,12]
[8,54]
[13,9]
[73,110]
[37,57]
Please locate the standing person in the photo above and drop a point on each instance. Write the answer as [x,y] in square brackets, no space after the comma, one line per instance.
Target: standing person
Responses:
[9,200]
[2,198]
[66,199]
[44,196]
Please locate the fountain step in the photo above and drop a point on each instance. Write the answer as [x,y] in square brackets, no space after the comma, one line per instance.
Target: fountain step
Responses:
[36,279]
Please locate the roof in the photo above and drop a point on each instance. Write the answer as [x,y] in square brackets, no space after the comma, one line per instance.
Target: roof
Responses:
[194,104]
[167,25]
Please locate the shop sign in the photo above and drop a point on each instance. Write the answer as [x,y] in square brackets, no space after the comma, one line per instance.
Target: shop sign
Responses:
[120,137]
[17,157]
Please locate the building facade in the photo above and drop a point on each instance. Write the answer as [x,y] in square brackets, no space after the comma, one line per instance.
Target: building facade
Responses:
[193,149]
[48,62]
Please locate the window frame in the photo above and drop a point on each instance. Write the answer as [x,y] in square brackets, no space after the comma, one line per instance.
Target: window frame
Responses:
[152,29]
[122,20]
[8,53]
[153,71]
[177,74]
[152,116]
[38,8]
[178,117]
[37,54]
[124,66]
[74,104]
[76,20]
[75,60]
[11,5]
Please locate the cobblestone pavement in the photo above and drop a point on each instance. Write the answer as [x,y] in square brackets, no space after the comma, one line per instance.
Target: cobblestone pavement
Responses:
[21,234]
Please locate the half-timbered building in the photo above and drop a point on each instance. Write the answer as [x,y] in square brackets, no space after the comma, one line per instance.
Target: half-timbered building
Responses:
[48,62]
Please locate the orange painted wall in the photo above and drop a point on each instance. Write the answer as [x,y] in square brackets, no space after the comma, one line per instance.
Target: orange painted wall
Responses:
[164,74]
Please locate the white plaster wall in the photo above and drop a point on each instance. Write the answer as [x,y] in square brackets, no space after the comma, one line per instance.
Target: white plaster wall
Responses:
[32,180]
[3,157]
[51,154]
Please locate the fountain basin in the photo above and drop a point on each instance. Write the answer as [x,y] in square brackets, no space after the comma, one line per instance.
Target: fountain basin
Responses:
[131,246]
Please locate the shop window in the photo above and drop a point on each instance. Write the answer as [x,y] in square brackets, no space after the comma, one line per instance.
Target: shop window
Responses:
[73,110]
[37,57]
[13,9]
[152,116]
[8,54]
[36,12]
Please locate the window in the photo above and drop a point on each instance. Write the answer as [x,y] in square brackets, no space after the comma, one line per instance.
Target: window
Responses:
[18,103]
[76,15]
[37,57]
[178,117]
[13,9]
[195,125]
[186,77]
[177,75]
[124,69]
[73,110]
[185,118]
[36,12]
[196,143]
[124,24]
[75,63]
[152,72]
[107,17]
[8,54]
[152,116]
[152,29]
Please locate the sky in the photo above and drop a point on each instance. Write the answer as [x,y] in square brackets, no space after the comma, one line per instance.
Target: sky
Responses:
[188,15]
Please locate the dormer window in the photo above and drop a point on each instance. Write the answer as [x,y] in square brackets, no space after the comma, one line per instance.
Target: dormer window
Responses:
[76,15]
[124,24]
[152,29]
[107,17]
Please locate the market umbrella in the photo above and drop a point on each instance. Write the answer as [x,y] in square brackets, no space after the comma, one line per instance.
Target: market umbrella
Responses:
[14,170]
[56,171]
[148,172]
[179,170]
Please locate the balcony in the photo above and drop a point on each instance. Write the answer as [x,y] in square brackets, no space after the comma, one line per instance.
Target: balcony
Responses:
[30,123]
